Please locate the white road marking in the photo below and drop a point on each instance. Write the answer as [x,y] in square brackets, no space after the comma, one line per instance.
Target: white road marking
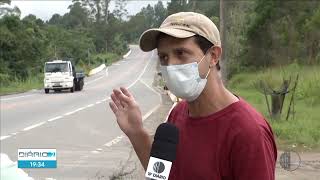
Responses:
[150,112]
[141,72]
[80,109]
[4,137]
[95,152]
[117,64]
[139,77]
[69,113]
[90,105]
[118,139]
[6,99]
[72,112]
[94,80]
[152,90]
[34,126]
[55,118]
[105,99]
[49,120]
[114,141]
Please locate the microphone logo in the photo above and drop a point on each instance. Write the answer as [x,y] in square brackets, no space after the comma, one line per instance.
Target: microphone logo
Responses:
[158,167]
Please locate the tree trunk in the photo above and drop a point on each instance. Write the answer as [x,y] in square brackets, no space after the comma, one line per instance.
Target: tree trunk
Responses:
[276,101]
[106,10]
[98,6]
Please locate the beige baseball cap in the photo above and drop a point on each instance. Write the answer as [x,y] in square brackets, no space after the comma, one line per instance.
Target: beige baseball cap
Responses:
[182,25]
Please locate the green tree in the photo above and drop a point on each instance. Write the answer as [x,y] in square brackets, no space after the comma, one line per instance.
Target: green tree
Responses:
[149,15]
[312,37]
[160,13]
[5,10]
[55,19]
[120,11]
[175,6]
[21,46]
[277,33]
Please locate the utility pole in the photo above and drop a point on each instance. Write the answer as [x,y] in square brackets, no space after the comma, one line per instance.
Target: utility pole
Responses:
[223,60]
[106,46]
[55,52]
[89,58]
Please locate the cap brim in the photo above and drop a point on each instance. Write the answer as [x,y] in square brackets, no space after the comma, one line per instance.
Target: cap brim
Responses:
[148,39]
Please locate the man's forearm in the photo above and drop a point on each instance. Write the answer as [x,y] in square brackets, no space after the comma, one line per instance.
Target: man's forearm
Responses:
[142,143]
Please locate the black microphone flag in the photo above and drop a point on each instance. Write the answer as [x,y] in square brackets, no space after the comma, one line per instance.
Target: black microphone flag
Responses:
[163,152]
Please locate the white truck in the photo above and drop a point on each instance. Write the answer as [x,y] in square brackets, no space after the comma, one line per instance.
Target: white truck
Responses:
[61,75]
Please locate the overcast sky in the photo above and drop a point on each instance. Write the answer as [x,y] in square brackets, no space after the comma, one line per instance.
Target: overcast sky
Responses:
[44,9]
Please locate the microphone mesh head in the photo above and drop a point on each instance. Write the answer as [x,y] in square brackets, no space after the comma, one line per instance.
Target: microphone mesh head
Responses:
[165,142]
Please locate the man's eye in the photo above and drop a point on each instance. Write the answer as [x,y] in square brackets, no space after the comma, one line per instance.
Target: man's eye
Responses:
[180,53]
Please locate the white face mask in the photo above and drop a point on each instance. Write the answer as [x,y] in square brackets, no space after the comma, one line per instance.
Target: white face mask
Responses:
[184,80]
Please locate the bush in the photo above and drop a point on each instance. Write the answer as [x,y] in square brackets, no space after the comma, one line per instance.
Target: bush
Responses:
[107,58]
[18,85]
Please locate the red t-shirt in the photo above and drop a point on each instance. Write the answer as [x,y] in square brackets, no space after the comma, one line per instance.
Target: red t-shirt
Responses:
[235,143]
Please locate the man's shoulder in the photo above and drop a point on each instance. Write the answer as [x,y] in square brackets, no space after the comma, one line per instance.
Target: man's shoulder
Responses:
[248,126]
[246,113]
[247,120]
[178,110]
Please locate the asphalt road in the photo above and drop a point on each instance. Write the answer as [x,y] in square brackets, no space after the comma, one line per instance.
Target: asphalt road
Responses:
[78,125]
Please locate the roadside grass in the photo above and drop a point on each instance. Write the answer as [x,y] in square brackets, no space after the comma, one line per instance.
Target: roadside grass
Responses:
[19,86]
[302,132]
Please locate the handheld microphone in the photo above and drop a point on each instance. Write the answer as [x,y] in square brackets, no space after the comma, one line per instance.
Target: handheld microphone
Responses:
[163,152]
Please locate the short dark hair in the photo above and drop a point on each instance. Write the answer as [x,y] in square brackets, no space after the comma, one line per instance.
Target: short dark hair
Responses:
[204,45]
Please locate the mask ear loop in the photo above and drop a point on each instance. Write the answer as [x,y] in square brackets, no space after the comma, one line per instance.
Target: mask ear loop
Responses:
[209,65]
[208,73]
[202,59]
[204,55]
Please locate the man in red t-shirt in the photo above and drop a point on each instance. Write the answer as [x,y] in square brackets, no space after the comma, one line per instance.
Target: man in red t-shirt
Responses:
[221,137]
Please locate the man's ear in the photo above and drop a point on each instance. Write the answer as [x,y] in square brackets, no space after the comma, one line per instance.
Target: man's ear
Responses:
[215,55]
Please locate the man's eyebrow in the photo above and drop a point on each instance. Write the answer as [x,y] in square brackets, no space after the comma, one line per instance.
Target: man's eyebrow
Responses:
[183,49]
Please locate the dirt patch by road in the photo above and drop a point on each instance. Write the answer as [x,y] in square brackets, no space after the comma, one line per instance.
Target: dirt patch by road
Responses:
[308,168]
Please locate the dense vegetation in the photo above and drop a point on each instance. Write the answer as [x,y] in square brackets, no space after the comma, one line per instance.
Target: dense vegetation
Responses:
[258,34]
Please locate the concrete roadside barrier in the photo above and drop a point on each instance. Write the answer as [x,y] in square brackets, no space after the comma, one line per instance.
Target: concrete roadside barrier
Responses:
[103,66]
[96,70]
[126,55]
